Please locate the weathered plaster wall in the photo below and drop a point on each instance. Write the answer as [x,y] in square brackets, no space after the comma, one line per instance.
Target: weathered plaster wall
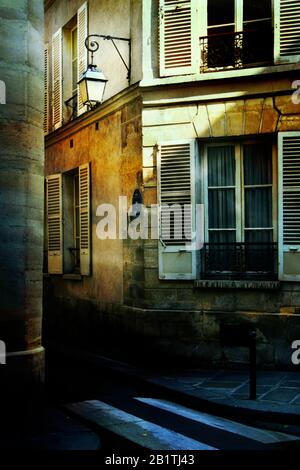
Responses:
[121,18]
[115,155]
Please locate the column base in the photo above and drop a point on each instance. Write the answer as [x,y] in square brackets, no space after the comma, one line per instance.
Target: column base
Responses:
[23,369]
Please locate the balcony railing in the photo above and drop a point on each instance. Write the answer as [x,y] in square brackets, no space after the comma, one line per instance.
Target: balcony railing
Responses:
[242,49]
[72,104]
[239,261]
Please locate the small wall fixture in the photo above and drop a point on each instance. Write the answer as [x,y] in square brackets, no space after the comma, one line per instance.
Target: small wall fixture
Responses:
[93,81]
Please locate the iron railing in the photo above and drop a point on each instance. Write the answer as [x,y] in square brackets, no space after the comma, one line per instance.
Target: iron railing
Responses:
[72,104]
[239,261]
[242,49]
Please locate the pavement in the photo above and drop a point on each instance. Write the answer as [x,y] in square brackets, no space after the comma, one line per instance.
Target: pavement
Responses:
[225,392]
[30,421]
[56,431]
[278,393]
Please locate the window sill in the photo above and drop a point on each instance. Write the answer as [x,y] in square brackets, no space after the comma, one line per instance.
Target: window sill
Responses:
[215,75]
[72,277]
[220,284]
[67,277]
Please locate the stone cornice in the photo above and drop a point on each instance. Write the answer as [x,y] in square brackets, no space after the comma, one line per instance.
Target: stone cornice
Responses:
[110,106]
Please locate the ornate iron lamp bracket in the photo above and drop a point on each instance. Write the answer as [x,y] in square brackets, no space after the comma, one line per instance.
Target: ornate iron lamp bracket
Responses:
[93,46]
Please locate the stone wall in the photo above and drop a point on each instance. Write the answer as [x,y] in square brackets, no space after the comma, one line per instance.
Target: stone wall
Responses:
[188,315]
[21,183]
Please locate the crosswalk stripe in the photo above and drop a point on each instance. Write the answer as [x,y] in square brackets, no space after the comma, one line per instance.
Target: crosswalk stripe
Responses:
[260,435]
[133,428]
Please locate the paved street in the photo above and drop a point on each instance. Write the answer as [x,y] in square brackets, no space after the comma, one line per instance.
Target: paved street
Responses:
[129,415]
[89,407]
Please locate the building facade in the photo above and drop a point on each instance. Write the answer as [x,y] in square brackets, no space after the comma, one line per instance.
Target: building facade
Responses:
[208,129]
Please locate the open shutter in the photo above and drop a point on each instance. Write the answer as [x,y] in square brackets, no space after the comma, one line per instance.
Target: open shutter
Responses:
[84,216]
[54,223]
[287,31]
[46,89]
[178,41]
[289,206]
[82,62]
[176,187]
[57,79]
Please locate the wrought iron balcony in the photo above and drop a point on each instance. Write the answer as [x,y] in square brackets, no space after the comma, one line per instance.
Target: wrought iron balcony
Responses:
[239,261]
[242,49]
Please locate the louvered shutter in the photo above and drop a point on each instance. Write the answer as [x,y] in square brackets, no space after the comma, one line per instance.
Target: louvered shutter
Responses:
[57,79]
[46,89]
[54,224]
[178,41]
[289,206]
[287,31]
[82,32]
[176,195]
[84,216]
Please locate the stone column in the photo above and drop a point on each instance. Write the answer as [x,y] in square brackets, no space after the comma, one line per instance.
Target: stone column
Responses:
[21,189]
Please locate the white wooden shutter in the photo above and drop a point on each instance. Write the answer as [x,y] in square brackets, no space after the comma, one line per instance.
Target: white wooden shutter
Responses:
[289,206]
[82,56]
[57,92]
[84,216]
[176,187]
[287,31]
[178,38]
[46,89]
[54,224]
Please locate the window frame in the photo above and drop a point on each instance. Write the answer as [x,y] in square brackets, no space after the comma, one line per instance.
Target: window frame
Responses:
[74,58]
[238,25]
[240,189]
[66,197]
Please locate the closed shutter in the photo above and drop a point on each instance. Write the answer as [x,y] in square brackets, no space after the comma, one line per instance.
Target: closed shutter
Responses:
[57,79]
[178,41]
[46,89]
[176,188]
[84,216]
[82,32]
[289,206]
[54,223]
[287,31]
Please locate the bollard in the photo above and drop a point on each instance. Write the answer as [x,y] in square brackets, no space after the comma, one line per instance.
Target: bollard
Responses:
[252,364]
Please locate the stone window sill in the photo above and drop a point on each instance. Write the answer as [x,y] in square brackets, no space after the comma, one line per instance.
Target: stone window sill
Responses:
[72,277]
[67,277]
[244,284]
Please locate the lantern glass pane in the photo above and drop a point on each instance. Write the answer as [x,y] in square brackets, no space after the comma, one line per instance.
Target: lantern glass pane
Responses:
[95,90]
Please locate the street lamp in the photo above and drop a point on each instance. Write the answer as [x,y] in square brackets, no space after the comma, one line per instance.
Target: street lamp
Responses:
[92,86]
[93,81]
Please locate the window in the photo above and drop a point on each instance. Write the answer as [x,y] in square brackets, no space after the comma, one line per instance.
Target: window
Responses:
[72,222]
[239,34]
[69,61]
[70,69]
[210,35]
[74,60]
[68,221]
[246,211]
[240,204]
